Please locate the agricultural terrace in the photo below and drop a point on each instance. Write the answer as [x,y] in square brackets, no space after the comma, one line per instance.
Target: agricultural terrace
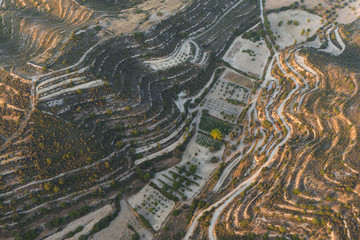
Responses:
[234,77]
[248,55]
[293,26]
[208,142]
[186,51]
[228,97]
[92,100]
[152,205]
[178,183]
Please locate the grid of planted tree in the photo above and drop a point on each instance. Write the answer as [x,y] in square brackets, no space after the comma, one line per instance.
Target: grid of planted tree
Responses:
[208,142]
[175,184]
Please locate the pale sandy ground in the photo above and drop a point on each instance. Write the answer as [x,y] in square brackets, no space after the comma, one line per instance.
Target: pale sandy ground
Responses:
[124,23]
[301,61]
[198,155]
[92,84]
[129,20]
[219,92]
[315,44]
[180,55]
[118,228]
[348,15]
[289,33]
[274,4]
[243,61]
[87,221]
[223,106]
[60,84]
[234,77]
[149,196]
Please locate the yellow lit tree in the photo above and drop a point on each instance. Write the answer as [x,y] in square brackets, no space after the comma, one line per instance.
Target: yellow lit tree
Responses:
[216,134]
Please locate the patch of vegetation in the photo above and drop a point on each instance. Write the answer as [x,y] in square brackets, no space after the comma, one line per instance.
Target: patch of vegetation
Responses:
[145,222]
[209,123]
[64,145]
[164,193]
[103,223]
[72,216]
[208,142]
[254,35]
[219,171]
[236,102]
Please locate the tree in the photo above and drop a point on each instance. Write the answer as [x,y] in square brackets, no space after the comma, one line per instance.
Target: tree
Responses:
[216,134]
[119,144]
[48,186]
[214,159]
[135,236]
[315,221]
[266,124]
[233,134]
[282,229]
[193,168]
[175,212]
[109,112]
[56,189]
[146,177]
[82,237]
[61,181]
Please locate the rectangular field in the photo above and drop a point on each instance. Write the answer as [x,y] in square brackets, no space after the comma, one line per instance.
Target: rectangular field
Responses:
[208,142]
[208,123]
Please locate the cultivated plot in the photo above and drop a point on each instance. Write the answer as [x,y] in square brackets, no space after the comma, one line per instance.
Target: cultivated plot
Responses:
[275,4]
[293,26]
[178,183]
[121,227]
[234,77]
[229,96]
[187,51]
[248,56]
[151,205]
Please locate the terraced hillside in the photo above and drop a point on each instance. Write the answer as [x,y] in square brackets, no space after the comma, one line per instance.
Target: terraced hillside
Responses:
[36,31]
[207,120]
[15,103]
[301,148]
